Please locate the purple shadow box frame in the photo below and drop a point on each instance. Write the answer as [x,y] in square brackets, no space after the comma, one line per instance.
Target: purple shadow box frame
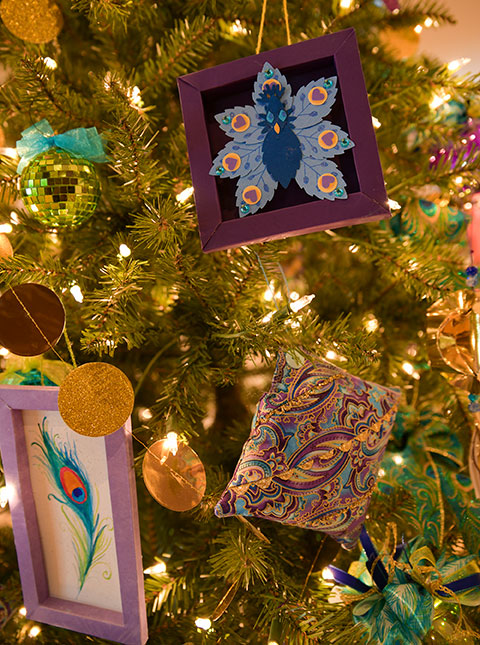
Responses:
[291,212]
[128,626]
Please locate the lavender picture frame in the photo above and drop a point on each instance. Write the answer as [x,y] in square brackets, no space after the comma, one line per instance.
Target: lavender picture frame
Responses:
[291,212]
[127,626]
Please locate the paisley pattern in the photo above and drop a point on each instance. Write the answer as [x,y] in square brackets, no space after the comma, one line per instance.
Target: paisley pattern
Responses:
[316,443]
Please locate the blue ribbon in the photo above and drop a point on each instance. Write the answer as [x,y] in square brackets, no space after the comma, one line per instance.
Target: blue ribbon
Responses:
[380,576]
[80,142]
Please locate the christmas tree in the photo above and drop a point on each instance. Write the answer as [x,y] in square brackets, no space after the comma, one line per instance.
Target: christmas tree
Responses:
[197,334]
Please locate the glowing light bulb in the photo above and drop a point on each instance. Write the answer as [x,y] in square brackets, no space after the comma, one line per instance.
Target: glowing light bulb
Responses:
[14,218]
[22,611]
[438,100]
[376,122]
[34,208]
[4,351]
[3,496]
[184,195]
[203,623]
[353,248]
[6,228]
[172,442]
[158,567]
[327,574]
[381,473]
[145,414]
[371,324]
[331,355]
[303,302]
[268,294]
[76,293]
[50,63]
[418,29]
[268,317]
[408,368]
[294,295]
[458,180]
[393,205]
[398,459]
[455,65]
[35,631]
[124,251]
[346,4]
[428,22]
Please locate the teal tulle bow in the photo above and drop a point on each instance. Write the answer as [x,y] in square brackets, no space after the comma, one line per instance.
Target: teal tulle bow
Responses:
[80,142]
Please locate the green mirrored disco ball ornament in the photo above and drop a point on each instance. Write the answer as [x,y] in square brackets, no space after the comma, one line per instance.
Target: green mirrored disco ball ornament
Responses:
[59,189]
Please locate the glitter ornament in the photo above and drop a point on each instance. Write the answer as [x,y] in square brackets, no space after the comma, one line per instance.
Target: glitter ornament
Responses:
[35,21]
[59,189]
[95,399]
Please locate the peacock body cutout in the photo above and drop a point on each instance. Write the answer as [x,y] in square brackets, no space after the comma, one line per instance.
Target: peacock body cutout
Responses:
[73,490]
[280,138]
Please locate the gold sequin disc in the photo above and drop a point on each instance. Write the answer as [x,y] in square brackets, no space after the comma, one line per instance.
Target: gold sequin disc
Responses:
[177,481]
[95,399]
[35,21]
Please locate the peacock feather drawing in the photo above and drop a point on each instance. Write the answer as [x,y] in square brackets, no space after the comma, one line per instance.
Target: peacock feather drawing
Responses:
[280,138]
[74,491]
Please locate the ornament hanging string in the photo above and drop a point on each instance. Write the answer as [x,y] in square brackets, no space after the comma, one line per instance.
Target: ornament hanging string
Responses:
[262,24]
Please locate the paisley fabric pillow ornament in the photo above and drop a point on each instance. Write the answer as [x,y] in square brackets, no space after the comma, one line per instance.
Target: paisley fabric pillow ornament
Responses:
[311,460]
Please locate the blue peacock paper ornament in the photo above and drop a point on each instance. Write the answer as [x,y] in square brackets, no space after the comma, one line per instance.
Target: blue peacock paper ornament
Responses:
[74,491]
[280,138]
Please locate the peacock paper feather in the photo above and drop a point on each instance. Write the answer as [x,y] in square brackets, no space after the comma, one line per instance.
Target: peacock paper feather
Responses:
[280,138]
[73,490]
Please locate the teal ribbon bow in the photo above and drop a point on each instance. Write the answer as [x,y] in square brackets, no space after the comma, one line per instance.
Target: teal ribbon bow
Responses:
[80,142]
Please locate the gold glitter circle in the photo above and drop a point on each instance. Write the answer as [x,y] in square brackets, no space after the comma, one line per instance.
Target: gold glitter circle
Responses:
[95,399]
[6,250]
[36,21]
[177,481]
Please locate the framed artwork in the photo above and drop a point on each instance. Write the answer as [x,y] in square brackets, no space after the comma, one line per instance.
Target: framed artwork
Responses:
[75,520]
[282,143]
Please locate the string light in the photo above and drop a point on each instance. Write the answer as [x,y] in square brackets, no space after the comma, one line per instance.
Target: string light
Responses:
[35,631]
[14,218]
[458,180]
[203,623]
[376,122]
[6,228]
[22,611]
[135,97]
[268,317]
[76,293]
[346,4]
[455,65]
[9,152]
[303,302]
[327,573]
[331,355]
[408,368]
[184,195]
[171,442]
[294,295]
[393,205]
[4,351]
[418,29]
[398,459]
[144,414]
[237,29]
[381,473]
[159,567]
[3,496]
[439,99]
[428,22]
[50,63]
[371,324]
[353,248]
[124,251]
